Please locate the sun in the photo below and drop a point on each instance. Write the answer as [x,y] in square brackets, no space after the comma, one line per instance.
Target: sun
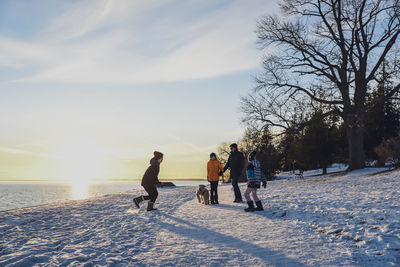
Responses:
[83,166]
[81,163]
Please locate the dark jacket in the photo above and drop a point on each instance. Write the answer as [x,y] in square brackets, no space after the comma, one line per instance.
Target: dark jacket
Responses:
[150,177]
[235,163]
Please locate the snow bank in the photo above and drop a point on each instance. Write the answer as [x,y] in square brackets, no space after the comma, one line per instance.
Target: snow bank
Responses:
[352,219]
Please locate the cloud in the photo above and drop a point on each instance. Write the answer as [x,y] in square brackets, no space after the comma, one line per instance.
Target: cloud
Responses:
[25,152]
[18,54]
[83,17]
[100,41]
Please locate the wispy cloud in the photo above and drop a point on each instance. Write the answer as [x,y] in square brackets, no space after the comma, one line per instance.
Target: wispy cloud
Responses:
[87,16]
[139,42]
[25,152]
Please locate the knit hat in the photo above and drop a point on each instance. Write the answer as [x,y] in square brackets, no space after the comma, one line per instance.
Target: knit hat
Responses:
[158,155]
[234,145]
[213,154]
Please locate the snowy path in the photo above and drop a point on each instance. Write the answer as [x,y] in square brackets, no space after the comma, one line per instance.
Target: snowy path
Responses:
[351,220]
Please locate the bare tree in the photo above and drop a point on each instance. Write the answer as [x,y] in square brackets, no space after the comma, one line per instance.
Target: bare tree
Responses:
[329,51]
[263,109]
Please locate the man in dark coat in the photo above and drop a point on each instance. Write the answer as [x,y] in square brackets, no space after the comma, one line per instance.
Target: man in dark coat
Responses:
[236,165]
[150,181]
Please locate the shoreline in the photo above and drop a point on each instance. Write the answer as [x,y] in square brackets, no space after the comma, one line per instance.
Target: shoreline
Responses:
[24,195]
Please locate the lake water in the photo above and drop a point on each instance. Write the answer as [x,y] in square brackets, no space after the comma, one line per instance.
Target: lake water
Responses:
[15,195]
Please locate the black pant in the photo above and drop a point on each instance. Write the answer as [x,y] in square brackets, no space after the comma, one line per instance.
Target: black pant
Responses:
[214,191]
[152,191]
[238,194]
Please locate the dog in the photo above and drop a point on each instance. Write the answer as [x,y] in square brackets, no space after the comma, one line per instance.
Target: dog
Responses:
[202,194]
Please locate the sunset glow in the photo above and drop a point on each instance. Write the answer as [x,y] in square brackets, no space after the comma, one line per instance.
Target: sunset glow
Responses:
[80,162]
[91,88]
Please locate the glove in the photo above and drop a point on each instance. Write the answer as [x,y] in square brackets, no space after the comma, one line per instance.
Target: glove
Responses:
[264,184]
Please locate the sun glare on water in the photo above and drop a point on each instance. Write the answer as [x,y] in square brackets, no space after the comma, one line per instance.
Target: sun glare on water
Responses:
[80,165]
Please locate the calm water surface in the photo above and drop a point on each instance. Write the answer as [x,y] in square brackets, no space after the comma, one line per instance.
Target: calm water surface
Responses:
[15,195]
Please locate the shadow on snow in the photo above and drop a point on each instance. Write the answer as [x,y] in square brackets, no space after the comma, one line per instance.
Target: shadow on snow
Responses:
[208,236]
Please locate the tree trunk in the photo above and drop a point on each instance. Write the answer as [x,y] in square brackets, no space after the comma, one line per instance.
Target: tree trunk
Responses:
[324,170]
[355,138]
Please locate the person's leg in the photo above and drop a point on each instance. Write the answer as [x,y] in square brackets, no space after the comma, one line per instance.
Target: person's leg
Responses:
[137,200]
[153,194]
[238,195]
[257,200]
[248,199]
[212,192]
[148,189]
[247,194]
[216,192]
[254,194]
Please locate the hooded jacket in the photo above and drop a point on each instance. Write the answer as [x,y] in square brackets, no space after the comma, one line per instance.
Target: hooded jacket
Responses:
[213,169]
[235,163]
[150,177]
[254,174]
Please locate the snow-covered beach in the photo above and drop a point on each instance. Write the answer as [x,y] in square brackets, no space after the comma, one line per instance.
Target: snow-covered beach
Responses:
[336,220]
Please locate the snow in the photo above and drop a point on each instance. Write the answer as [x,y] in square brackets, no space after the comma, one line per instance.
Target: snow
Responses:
[334,220]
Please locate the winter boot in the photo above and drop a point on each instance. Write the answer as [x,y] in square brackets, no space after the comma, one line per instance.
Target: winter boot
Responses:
[212,199]
[150,206]
[259,206]
[137,200]
[251,206]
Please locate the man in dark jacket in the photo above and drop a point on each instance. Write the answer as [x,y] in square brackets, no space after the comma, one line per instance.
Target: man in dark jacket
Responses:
[150,181]
[236,164]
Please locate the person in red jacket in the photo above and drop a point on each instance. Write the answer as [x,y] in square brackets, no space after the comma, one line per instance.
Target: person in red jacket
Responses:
[214,170]
[150,181]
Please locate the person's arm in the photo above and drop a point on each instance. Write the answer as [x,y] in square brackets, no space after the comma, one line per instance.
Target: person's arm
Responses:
[154,173]
[228,164]
[208,171]
[221,169]
[263,177]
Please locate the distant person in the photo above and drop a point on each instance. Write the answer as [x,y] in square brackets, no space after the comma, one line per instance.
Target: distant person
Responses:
[296,166]
[150,181]
[255,176]
[214,170]
[235,164]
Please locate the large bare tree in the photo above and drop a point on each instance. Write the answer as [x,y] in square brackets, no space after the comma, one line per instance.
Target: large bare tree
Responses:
[328,51]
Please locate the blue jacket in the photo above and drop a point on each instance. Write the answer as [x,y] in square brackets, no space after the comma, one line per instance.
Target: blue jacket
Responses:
[254,173]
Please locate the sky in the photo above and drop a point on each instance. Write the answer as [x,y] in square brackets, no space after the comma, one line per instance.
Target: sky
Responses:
[90,88]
